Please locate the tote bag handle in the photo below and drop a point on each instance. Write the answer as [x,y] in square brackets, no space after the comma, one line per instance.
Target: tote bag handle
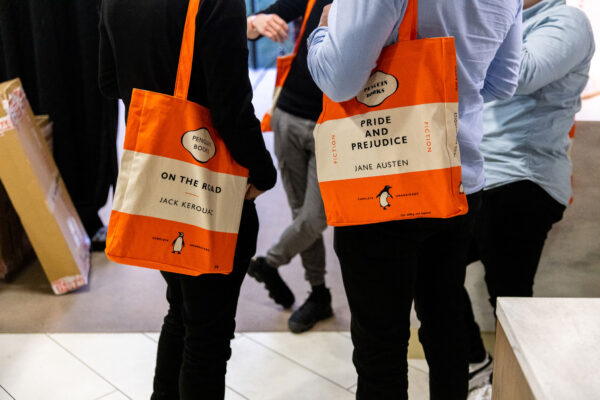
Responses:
[408,27]
[186,55]
[309,7]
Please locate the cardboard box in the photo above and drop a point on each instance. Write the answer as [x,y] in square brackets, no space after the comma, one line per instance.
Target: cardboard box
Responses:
[38,194]
[15,248]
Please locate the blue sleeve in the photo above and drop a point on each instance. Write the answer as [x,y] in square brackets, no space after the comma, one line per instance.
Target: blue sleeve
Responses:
[553,48]
[503,74]
[342,56]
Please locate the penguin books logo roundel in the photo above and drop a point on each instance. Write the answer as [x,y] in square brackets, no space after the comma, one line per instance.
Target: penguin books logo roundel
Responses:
[379,87]
[200,144]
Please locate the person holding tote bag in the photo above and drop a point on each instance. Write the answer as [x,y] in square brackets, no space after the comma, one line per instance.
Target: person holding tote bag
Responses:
[405,82]
[297,104]
[140,49]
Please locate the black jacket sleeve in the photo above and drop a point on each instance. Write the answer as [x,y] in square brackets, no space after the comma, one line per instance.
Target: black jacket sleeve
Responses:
[107,73]
[288,10]
[222,51]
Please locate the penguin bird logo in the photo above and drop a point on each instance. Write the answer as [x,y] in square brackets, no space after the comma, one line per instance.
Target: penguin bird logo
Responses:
[383,197]
[178,244]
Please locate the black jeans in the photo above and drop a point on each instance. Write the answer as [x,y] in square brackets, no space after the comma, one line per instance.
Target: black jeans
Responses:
[194,343]
[510,233]
[384,267]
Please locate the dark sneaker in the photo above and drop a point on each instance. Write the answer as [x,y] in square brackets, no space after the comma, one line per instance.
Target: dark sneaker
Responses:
[99,239]
[278,290]
[316,308]
[480,373]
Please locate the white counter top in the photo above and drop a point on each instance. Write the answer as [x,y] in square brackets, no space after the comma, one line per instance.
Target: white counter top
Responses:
[557,344]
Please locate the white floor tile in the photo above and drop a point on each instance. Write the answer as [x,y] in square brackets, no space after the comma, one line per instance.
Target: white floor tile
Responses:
[326,353]
[127,360]
[116,395]
[264,366]
[260,374]
[419,364]
[35,367]
[153,335]
[231,395]
[418,384]
[4,395]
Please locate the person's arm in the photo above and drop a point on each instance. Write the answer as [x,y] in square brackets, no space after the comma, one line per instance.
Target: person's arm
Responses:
[272,21]
[107,72]
[553,48]
[503,74]
[222,51]
[268,25]
[342,55]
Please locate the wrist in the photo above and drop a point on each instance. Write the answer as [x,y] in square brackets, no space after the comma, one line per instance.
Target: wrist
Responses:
[251,22]
[252,32]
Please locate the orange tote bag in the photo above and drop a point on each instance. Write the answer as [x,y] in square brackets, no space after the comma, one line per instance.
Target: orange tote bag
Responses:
[179,195]
[391,153]
[284,65]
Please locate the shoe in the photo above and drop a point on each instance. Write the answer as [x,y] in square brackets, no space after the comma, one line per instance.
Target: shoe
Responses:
[316,308]
[481,393]
[278,290]
[480,374]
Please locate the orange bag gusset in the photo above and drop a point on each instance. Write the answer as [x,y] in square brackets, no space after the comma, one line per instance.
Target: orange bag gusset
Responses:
[180,194]
[391,153]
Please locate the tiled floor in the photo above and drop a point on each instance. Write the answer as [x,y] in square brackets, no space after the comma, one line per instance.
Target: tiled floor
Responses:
[264,366]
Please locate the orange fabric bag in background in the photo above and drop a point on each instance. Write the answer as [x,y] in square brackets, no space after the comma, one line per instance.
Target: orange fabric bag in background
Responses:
[180,194]
[284,65]
[391,153]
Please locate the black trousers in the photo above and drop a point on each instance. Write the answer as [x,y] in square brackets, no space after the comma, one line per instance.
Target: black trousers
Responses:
[510,233]
[194,344]
[384,267]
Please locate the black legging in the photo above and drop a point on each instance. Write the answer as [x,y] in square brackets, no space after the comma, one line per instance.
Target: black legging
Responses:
[384,267]
[510,233]
[194,344]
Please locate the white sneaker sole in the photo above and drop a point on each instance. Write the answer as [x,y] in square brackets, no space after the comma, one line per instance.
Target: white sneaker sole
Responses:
[481,376]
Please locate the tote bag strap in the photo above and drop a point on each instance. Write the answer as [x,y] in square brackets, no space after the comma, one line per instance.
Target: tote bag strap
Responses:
[186,56]
[309,7]
[408,27]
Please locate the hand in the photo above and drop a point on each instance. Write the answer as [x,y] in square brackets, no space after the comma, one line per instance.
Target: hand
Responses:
[252,192]
[325,16]
[269,25]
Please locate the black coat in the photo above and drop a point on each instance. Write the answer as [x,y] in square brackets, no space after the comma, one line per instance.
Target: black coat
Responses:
[139,48]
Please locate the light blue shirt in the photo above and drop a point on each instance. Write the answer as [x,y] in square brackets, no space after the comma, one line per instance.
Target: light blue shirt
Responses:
[488,46]
[526,137]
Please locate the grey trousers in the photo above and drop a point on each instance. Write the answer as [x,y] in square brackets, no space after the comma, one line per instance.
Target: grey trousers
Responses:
[295,151]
